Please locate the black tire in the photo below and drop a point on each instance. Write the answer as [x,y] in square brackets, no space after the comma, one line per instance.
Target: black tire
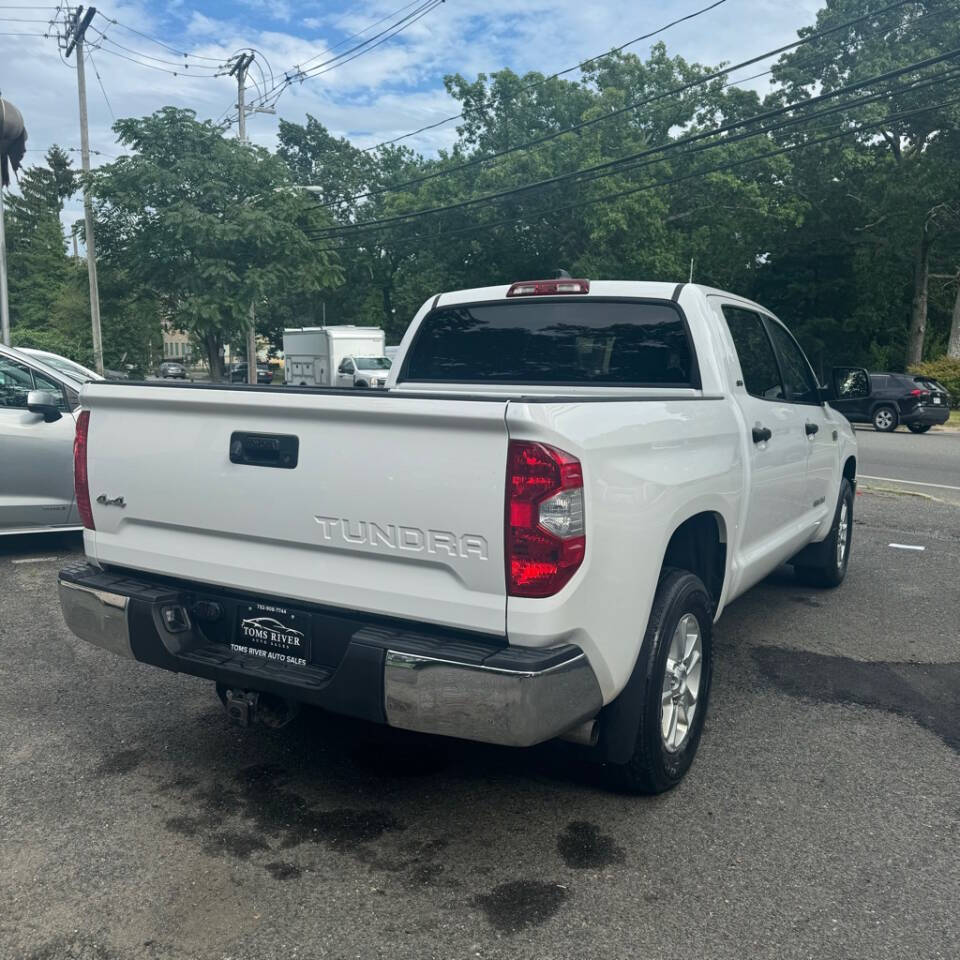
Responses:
[653,768]
[885,418]
[828,570]
[919,427]
[361,384]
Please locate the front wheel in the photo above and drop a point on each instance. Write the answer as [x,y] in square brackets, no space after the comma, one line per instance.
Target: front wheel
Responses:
[919,427]
[885,419]
[833,554]
[677,660]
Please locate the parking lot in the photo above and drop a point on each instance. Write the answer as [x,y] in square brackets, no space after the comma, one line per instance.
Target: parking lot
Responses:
[821,818]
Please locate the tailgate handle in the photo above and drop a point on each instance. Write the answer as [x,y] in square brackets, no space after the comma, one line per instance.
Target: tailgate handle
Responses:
[265,449]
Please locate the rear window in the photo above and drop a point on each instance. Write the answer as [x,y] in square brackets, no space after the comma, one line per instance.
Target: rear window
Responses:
[559,342]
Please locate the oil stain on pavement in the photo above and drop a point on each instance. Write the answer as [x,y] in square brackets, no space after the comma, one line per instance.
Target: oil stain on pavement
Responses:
[512,906]
[583,847]
[925,692]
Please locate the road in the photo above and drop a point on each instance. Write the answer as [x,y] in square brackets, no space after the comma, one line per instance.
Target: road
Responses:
[930,460]
[821,818]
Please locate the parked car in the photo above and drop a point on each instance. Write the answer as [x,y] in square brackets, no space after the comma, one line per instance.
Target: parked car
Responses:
[238,373]
[528,535]
[72,369]
[173,370]
[899,398]
[38,407]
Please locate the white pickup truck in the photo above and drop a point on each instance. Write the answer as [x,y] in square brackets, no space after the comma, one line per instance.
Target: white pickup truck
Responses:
[527,535]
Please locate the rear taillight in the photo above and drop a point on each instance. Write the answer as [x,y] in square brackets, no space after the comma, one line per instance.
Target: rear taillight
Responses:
[917,393]
[80,483]
[545,532]
[547,288]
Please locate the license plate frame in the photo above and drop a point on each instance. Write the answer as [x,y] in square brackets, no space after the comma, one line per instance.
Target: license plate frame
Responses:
[936,400]
[273,633]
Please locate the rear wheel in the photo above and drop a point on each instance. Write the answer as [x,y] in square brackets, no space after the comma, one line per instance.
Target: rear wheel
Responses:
[677,659]
[885,419]
[833,554]
[919,427]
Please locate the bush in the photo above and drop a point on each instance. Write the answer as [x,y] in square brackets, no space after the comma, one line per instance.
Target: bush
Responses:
[947,371]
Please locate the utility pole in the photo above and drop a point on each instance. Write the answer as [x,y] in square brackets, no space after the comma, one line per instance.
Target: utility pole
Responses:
[4,300]
[75,31]
[239,69]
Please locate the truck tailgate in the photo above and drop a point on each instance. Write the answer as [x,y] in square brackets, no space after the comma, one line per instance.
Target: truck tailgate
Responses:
[371,518]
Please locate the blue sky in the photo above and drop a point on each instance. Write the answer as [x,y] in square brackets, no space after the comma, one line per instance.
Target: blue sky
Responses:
[393,89]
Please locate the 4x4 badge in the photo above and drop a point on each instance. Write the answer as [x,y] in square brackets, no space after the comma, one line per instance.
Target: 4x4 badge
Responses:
[111,501]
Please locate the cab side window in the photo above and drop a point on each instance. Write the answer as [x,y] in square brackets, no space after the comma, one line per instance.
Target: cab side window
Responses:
[799,380]
[346,367]
[761,375]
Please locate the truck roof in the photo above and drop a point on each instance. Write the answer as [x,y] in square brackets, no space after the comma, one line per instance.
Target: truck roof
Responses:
[656,290]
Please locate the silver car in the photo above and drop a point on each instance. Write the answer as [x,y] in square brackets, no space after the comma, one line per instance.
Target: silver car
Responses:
[38,409]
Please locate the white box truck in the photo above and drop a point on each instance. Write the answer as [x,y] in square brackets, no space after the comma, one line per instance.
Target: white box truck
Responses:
[340,356]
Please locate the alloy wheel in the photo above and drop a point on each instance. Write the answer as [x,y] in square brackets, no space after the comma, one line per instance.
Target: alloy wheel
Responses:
[681,683]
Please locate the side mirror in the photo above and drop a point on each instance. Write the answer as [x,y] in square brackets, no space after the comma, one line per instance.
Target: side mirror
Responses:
[45,403]
[849,383]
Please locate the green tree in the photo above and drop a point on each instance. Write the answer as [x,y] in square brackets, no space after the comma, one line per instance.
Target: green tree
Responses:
[205,226]
[37,262]
[884,195]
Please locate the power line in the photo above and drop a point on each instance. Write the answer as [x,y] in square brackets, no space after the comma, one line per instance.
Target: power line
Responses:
[369,26]
[100,82]
[634,105]
[146,36]
[401,25]
[620,194]
[348,55]
[300,75]
[553,76]
[612,167]
[140,63]
[147,56]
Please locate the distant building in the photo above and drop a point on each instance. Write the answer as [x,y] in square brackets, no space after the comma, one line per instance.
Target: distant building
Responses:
[177,345]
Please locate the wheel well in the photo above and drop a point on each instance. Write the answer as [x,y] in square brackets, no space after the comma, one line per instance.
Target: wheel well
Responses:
[699,545]
[850,470]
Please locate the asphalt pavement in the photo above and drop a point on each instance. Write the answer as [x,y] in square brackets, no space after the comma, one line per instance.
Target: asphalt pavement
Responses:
[820,819]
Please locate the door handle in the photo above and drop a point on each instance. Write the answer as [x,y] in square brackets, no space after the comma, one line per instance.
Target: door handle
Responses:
[811,429]
[761,434]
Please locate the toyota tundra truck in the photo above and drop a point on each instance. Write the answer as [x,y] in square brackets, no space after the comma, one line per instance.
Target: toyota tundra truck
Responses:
[528,535]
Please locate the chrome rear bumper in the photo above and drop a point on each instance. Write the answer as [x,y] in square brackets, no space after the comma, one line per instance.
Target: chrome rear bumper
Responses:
[477,702]
[97,616]
[454,686]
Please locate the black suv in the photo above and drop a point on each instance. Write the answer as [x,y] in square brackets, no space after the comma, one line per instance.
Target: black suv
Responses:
[895,398]
[238,373]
